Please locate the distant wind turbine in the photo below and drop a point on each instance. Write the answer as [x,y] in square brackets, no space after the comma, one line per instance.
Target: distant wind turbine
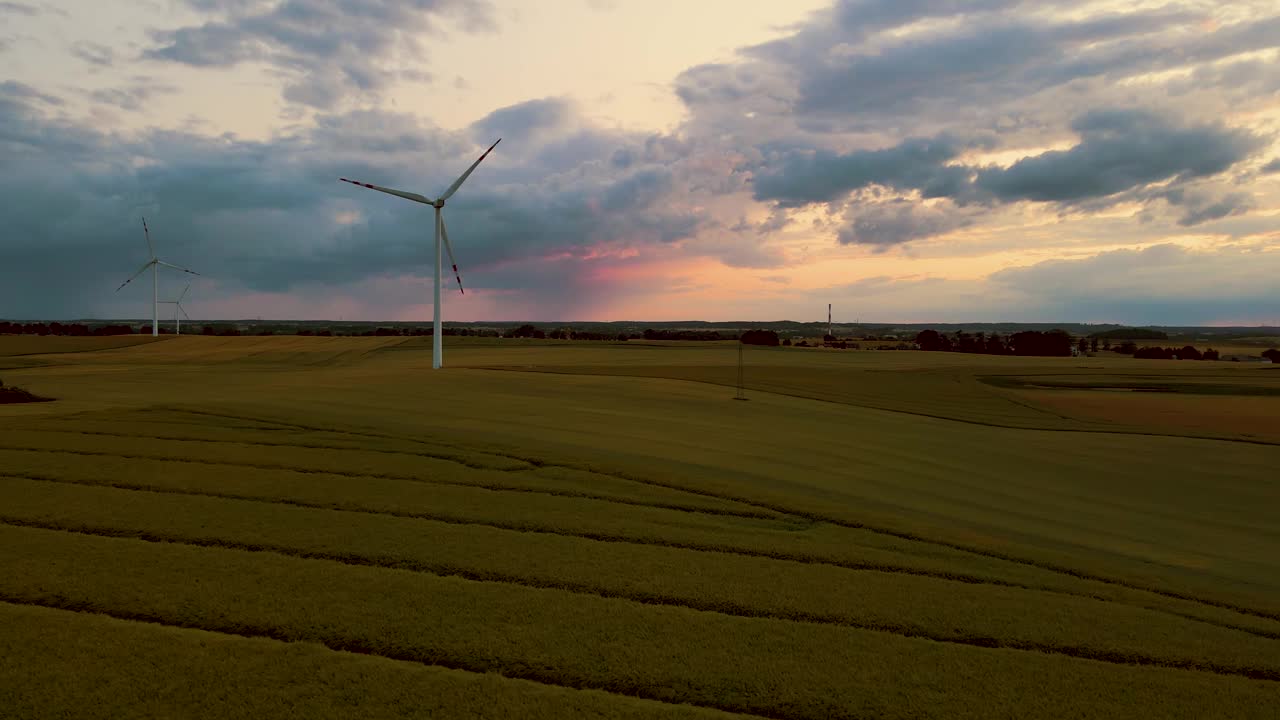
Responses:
[177,307]
[440,232]
[154,263]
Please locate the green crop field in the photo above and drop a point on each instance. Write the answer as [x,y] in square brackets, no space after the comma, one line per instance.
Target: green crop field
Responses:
[323,527]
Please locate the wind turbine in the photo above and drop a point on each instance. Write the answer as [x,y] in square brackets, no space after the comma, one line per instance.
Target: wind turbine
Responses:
[441,232]
[154,263]
[177,307]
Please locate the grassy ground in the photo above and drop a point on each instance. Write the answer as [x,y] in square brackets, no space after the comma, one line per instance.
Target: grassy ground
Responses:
[579,530]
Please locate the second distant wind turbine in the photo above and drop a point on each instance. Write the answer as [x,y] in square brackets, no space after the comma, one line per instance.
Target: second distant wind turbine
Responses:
[441,233]
[154,263]
[177,307]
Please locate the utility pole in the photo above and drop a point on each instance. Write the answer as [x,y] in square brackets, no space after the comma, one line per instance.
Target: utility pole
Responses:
[741,391]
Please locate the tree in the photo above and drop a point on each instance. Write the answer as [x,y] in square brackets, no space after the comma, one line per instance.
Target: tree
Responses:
[1189,352]
[760,337]
[932,341]
[1083,345]
[1093,345]
[995,345]
[786,342]
[1106,345]
[1055,343]
[1209,354]
[1273,355]
[527,331]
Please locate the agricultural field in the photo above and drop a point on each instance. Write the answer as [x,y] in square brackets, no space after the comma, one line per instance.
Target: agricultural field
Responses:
[324,527]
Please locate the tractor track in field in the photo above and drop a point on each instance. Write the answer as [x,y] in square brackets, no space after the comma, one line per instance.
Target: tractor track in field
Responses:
[638,540]
[783,510]
[891,532]
[491,487]
[356,646]
[653,599]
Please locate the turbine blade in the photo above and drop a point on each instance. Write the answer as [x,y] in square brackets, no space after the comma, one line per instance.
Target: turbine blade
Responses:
[444,234]
[147,233]
[135,275]
[175,267]
[391,191]
[184,312]
[458,183]
[184,292]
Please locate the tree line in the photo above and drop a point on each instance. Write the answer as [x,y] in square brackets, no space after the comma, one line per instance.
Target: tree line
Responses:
[1053,343]
[57,328]
[1187,352]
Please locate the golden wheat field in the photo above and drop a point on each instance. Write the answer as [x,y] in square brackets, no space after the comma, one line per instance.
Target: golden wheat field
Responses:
[326,528]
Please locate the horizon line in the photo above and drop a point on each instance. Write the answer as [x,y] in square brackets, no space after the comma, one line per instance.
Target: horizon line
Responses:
[642,322]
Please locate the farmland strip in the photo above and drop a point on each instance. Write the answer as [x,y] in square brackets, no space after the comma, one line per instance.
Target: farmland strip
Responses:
[1048,566]
[724,606]
[57,662]
[939,573]
[492,486]
[766,667]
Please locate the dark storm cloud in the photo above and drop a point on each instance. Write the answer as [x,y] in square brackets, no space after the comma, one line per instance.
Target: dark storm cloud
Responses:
[270,215]
[798,178]
[1201,208]
[329,49]
[528,121]
[1271,167]
[1118,151]
[884,224]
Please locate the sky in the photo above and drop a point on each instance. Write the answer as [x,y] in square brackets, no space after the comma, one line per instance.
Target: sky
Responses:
[903,160]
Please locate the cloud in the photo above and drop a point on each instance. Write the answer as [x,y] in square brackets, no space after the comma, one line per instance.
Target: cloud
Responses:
[1120,150]
[268,216]
[859,64]
[1120,156]
[17,8]
[871,125]
[12,90]
[881,225]
[93,53]
[799,177]
[1201,208]
[329,51]
[133,96]
[528,122]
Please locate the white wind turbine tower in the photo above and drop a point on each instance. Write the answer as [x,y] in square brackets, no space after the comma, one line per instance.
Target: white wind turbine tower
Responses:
[177,307]
[154,263]
[441,232]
